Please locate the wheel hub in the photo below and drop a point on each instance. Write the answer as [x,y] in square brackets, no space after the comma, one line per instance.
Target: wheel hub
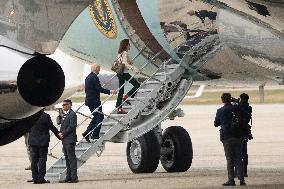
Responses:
[135,152]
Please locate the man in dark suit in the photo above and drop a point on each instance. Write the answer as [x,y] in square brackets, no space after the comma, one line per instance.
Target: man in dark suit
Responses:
[232,145]
[93,89]
[69,139]
[39,138]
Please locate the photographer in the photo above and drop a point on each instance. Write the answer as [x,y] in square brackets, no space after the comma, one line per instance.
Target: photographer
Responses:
[247,111]
[232,144]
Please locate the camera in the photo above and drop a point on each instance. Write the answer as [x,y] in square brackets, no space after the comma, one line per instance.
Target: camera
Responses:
[235,100]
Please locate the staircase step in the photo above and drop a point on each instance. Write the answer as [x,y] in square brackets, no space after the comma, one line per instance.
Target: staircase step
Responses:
[152,82]
[52,176]
[117,115]
[83,144]
[160,73]
[145,90]
[172,66]
[128,107]
[59,166]
[109,123]
[104,129]
[81,149]
[151,85]
[136,99]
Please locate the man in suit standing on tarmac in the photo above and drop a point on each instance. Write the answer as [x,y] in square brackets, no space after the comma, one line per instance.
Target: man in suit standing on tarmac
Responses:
[38,140]
[69,139]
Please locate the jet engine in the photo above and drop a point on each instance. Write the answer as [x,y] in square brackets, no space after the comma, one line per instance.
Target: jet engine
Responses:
[28,82]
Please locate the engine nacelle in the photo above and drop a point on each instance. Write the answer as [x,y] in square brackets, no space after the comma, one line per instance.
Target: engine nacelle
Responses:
[28,84]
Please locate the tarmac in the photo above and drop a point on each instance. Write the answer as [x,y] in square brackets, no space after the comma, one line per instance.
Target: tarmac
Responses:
[208,170]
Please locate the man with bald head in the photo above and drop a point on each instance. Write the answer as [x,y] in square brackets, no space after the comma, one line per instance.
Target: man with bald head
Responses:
[93,89]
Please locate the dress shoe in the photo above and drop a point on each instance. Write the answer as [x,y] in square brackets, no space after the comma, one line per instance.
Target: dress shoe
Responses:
[42,181]
[242,183]
[94,137]
[73,181]
[124,98]
[31,180]
[86,137]
[121,111]
[28,168]
[37,182]
[229,183]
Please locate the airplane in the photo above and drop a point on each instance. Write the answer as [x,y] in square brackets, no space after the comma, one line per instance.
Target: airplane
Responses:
[176,42]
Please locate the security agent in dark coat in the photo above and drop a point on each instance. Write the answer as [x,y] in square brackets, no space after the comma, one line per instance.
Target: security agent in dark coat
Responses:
[69,139]
[93,89]
[232,145]
[39,138]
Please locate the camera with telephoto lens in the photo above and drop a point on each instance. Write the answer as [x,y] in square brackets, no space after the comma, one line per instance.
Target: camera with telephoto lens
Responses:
[235,100]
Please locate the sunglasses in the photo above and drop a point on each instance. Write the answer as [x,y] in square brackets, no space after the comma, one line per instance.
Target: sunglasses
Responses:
[65,104]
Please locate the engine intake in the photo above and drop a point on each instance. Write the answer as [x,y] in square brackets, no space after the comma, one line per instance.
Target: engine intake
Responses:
[41,81]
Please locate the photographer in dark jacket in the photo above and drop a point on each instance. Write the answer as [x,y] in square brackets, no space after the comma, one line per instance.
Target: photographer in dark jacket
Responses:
[232,145]
[247,109]
[39,138]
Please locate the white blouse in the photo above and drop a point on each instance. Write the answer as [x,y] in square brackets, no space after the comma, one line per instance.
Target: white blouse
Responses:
[126,61]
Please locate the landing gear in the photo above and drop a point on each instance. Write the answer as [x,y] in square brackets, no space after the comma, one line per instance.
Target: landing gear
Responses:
[143,153]
[176,150]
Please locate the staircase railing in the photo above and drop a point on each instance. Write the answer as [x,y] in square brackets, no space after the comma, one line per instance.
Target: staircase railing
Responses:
[110,96]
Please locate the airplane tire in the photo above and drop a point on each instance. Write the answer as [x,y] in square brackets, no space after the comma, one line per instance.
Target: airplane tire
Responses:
[143,153]
[177,150]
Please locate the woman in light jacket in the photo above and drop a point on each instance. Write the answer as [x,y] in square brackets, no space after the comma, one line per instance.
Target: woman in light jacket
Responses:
[123,55]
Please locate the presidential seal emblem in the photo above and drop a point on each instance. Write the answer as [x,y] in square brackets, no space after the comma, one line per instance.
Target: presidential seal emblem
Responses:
[103,18]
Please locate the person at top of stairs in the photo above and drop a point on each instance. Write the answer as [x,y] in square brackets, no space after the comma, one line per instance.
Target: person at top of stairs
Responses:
[93,89]
[125,76]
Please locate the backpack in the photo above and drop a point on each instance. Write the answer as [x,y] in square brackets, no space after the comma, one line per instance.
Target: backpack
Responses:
[240,127]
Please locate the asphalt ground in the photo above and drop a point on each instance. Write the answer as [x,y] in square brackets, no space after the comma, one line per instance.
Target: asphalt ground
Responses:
[208,170]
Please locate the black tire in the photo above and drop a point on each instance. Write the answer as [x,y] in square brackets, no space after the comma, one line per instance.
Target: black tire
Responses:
[149,156]
[179,158]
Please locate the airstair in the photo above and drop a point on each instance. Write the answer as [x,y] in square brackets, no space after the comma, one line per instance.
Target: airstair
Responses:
[155,101]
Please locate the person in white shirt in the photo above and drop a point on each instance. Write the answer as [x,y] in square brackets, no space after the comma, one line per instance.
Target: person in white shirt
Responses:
[123,54]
